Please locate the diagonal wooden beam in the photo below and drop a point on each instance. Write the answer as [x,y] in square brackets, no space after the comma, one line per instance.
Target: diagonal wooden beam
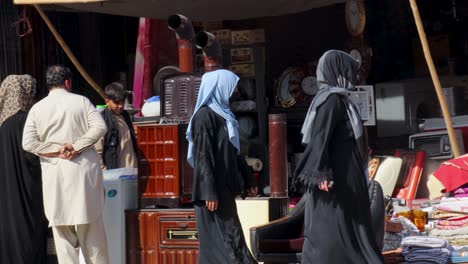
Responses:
[69,53]
[435,78]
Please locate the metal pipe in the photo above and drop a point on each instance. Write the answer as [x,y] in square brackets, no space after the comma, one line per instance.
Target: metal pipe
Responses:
[278,155]
[185,34]
[211,50]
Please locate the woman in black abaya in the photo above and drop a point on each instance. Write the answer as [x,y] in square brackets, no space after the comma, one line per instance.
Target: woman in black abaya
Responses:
[23,225]
[337,215]
[213,152]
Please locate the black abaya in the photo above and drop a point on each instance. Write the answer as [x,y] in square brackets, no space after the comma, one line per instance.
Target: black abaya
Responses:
[23,225]
[337,223]
[217,177]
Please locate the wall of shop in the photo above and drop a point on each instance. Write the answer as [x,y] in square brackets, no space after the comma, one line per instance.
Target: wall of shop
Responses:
[10,53]
[103,44]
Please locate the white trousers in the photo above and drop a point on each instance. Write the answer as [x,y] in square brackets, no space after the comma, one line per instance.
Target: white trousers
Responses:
[91,238]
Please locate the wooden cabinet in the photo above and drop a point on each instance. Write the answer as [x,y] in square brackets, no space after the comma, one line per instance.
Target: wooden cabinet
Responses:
[161,236]
[164,176]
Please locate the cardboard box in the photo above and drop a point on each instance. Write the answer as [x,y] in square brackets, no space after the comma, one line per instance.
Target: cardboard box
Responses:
[248,36]
[242,55]
[223,36]
[243,70]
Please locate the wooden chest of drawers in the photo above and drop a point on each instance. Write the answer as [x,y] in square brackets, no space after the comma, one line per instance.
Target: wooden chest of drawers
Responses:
[161,236]
[165,177]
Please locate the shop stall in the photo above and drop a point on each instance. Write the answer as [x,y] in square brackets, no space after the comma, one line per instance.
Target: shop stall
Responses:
[274,47]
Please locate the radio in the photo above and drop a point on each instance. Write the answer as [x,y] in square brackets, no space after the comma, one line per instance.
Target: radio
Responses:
[436,144]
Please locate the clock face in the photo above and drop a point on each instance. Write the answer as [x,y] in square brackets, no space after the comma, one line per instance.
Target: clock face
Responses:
[355,16]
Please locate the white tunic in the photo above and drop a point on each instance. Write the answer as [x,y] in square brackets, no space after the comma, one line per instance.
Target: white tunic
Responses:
[73,190]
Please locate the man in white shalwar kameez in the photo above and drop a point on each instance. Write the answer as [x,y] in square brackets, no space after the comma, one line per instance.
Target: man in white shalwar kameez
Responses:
[62,129]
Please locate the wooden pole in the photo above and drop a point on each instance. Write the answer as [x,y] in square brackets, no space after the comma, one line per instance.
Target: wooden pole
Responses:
[435,78]
[69,53]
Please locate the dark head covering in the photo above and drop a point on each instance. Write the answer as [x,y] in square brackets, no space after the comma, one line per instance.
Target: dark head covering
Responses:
[336,73]
[16,93]
[337,69]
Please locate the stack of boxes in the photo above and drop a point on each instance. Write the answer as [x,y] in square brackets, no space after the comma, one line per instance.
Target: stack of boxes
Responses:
[241,55]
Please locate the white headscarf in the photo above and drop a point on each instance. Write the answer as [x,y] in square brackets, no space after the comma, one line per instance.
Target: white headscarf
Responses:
[215,90]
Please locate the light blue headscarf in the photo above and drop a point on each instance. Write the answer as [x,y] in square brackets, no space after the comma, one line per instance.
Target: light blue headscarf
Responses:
[215,89]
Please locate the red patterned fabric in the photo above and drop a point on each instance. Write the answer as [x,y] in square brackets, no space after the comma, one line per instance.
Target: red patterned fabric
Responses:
[453,173]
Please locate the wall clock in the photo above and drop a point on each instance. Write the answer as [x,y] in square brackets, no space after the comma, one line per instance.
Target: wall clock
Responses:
[294,88]
[355,17]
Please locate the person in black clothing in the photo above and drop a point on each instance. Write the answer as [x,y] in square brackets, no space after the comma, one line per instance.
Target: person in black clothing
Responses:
[117,149]
[214,153]
[23,225]
[333,169]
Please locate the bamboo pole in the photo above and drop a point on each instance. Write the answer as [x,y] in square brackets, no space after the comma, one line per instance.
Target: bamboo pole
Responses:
[435,78]
[69,53]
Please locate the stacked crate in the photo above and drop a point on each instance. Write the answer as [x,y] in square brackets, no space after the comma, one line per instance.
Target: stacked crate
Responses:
[165,177]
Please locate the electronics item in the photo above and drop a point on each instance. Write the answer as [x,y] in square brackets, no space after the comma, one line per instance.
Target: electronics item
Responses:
[179,94]
[437,124]
[121,194]
[400,106]
[436,144]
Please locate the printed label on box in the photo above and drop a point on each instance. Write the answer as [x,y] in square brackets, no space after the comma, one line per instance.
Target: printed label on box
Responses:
[222,35]
[243,70]
[242,55]
[248,36]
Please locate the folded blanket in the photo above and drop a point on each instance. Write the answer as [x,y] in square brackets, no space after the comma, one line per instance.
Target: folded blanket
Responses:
[449,233]
[452,204]
[427,255]
[423,241]
[456,222]
[439,214]
[459,260]
[410,251]
[445,227]
[423,262]
[426,259]
[460,252]
[449,227]
[458,240]
[461,190]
